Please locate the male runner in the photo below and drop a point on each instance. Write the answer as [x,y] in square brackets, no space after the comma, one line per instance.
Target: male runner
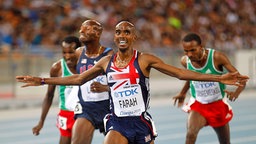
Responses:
[63,67]
[207,105]
[128,74]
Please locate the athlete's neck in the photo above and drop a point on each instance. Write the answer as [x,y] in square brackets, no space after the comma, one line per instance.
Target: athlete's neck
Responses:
[93,51]
[123,59]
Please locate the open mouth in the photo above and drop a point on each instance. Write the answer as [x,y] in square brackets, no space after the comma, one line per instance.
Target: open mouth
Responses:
[122,42]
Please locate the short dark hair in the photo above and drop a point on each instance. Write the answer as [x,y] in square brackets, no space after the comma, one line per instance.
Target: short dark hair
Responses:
[71,39]
[192,37]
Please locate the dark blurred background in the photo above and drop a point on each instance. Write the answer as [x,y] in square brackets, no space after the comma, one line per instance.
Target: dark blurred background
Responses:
[31,30]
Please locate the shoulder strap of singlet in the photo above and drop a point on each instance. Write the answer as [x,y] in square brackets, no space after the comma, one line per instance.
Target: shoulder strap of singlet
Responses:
[65,69]
[107,49]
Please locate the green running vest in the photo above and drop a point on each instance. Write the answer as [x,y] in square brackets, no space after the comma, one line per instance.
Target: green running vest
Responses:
[206,92]
[64,91]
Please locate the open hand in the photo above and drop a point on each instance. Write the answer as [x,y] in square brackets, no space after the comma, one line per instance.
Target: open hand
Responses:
[234,79]
[232,96]
[179,100]
[29,80]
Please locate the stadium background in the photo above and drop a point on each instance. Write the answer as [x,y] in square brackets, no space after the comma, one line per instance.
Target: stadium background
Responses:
[30,32]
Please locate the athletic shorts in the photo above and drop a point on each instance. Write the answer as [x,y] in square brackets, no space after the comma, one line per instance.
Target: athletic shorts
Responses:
[65,122]
[94,112]
[217,113]
[137,129]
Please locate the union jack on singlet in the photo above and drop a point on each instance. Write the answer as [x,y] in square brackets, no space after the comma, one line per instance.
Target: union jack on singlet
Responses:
[129,88]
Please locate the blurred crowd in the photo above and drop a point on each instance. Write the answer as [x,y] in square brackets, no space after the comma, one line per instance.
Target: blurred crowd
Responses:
[227,25]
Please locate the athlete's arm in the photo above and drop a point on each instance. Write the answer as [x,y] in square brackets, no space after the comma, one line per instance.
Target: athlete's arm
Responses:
[47,102]
[221,60]
[76,79]
[149,61]
[97,87]
[179,99]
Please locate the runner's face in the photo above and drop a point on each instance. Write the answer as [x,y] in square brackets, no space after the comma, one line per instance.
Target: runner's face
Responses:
[124,35]
[68,52]
[90,31]
[192,50]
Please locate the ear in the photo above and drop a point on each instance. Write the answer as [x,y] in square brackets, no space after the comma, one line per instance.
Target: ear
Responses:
[98,34]
[99,31]
[135,37]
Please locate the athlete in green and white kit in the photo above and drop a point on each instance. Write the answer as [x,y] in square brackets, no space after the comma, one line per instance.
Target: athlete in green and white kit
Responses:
[206,92]
[207,105]
[67,94]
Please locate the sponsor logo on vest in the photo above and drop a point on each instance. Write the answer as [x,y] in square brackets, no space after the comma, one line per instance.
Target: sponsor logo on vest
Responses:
[127,93]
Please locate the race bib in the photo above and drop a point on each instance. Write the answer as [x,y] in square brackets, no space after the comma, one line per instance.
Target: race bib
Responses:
[207,92]
[87,95]
[128,101]
[78,109]
[62,122]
